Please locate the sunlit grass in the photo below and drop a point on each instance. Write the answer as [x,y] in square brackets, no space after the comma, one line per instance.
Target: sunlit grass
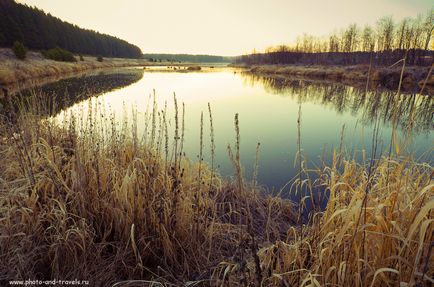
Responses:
[36,66]
[93,200]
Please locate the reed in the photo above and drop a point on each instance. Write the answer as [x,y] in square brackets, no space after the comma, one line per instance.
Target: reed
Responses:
[212,141]
[81,201]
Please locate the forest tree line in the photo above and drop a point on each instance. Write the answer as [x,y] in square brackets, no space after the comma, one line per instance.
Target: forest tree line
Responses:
[40,31]
[385,43]
[188,58]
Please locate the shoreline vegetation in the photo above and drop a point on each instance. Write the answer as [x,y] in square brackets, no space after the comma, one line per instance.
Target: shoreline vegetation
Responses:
[414,77]
[76,88]
[13,70]
[94,200]
[90,196]
[352,53]
[16,74]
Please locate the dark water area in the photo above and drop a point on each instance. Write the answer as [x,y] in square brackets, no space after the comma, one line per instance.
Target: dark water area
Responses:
[333,117]
[63,93]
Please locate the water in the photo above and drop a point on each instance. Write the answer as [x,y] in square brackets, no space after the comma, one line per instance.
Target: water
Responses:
[268,112]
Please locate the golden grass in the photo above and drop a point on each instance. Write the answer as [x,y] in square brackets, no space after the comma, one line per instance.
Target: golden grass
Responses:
[87,200]
[35,66]
[386,242]
[78,204]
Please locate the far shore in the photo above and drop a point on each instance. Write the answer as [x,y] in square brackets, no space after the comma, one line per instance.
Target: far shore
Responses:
[16,74]
[35,68]
[414,77]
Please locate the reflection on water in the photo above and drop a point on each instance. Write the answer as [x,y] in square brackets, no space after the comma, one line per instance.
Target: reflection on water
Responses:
[268,113]
[411,110]
[66,92]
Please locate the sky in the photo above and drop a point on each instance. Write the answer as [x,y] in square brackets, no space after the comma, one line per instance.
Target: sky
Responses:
[223,27]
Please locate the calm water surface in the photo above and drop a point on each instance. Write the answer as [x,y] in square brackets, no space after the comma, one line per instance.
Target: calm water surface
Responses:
[268,111]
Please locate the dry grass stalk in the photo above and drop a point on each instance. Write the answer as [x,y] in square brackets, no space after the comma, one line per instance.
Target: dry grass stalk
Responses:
[79,201]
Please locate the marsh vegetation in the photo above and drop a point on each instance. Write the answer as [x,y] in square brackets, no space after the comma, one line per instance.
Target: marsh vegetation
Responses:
[279,175]
[85,195]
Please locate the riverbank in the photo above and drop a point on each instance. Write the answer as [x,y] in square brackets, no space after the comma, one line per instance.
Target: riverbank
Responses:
[91,201]
[35,66]
[413,77]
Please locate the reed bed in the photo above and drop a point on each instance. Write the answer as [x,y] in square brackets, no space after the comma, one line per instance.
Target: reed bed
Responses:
[87,199]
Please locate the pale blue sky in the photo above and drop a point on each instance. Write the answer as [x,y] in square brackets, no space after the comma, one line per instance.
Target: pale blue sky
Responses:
[224,27]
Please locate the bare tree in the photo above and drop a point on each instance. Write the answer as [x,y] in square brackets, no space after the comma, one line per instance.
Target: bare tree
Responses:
[324,45]
[307,43]
[417,29]
[400,33]
[351,38]
[413,34]
[282,48]
[368,39]
[299,45]
[428,27]
[408,35]
[385,28]
[334,43]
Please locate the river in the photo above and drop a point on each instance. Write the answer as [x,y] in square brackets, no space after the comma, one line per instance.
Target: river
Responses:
[333,117]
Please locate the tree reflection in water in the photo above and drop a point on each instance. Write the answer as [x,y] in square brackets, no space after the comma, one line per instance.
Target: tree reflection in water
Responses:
[412,111]
[64,93]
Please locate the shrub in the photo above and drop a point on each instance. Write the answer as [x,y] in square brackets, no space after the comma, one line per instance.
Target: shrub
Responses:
[59,54]
[81,58]
[194,68]
[99,59]
[20,50]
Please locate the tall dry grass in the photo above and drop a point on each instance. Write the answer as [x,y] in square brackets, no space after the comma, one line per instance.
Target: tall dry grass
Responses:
[86,199]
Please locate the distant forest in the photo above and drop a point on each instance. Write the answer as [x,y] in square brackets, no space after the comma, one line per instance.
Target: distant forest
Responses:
[188,58]
[384,44]
[41,31]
